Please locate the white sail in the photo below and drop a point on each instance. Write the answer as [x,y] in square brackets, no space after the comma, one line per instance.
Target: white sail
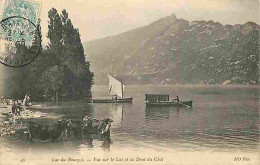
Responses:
[115,87]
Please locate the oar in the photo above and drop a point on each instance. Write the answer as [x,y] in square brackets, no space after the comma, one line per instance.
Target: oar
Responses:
[184,104]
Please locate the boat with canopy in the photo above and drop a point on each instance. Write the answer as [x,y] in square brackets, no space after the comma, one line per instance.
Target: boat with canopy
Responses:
[164,100]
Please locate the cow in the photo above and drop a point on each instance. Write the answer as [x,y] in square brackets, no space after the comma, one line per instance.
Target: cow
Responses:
[44,131]
[99,127]
[75,127]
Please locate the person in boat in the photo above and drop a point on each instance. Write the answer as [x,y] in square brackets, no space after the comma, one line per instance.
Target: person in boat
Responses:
[177,99]
[114,97]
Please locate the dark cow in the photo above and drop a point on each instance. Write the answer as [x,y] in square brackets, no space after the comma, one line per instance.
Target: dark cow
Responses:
[75,128]
[100,127]
[44,132]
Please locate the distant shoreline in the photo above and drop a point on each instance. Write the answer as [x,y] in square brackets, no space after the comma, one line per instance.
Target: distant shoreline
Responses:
[191,85]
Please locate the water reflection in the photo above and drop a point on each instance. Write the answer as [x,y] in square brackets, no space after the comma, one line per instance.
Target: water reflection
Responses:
[116,112]
[106,145]
[117,115]
[90,142]
[163,112]
[157,113]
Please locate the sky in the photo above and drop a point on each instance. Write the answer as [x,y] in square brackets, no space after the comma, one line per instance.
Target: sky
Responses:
[100,18]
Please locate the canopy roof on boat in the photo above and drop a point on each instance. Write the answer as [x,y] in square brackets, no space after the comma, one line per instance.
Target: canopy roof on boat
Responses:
[156,97]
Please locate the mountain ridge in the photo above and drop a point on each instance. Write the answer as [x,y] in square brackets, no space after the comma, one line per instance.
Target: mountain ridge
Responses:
[176,51]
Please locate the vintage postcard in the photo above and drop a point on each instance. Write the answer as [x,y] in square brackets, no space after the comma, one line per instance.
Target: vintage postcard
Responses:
[129,82]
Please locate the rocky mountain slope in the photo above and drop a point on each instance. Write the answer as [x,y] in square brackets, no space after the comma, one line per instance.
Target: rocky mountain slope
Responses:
[175,51]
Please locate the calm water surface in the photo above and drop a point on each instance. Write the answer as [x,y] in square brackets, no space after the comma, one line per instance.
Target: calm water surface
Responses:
[223,118]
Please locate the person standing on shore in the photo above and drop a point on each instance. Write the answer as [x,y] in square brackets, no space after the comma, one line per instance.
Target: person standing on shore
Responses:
[26,100]
[2,100]
[15,110]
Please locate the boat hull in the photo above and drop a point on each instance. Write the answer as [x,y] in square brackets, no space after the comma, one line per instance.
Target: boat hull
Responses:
[124,100]
[171,103]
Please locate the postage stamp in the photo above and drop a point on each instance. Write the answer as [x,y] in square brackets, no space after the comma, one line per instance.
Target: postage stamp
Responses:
[19,41]
[19,37]
[23,8]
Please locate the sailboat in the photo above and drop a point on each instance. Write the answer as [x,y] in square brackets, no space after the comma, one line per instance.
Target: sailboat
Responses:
[116,90]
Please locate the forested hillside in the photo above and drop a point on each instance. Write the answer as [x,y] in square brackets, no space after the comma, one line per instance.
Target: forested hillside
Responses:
[175,51]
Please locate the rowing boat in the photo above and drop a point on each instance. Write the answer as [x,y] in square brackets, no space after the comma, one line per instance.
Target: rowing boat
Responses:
[171,103]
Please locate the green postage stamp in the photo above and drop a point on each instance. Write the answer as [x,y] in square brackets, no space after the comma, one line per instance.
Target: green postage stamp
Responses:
[23,8]
[20,40]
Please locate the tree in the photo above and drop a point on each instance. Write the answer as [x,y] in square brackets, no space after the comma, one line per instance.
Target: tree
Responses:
[67,49]
[59,69]
[51,82]
[36,68]
[55,35]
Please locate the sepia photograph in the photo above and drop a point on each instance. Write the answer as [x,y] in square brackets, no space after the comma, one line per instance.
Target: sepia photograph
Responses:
[129,82]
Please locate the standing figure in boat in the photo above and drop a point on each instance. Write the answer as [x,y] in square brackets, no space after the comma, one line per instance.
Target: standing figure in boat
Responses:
[114,97]
[177,99]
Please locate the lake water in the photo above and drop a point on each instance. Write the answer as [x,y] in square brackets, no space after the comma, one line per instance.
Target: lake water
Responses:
[223,118]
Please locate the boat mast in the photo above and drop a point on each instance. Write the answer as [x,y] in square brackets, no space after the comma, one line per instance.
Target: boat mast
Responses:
[122,89]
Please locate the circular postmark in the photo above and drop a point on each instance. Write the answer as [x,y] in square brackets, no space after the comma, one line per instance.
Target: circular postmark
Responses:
[20,41]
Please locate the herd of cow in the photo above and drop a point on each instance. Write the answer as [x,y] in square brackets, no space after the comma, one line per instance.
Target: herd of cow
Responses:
[69,128]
